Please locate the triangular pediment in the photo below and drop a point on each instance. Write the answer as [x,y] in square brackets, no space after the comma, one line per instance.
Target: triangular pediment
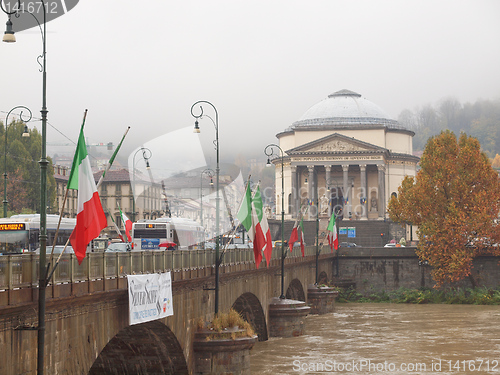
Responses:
[336,143]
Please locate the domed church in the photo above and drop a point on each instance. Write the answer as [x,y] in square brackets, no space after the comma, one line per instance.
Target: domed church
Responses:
[344,154]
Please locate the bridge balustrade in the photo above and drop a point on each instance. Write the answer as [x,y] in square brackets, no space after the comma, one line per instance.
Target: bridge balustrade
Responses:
[21,272]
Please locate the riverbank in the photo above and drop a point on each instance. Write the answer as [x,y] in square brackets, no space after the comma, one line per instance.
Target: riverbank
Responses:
[469,296]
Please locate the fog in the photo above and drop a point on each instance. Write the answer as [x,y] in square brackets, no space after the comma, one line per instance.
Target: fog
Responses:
[262,64]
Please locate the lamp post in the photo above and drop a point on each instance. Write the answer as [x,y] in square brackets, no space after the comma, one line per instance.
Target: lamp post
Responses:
[145,152]
[9,38]
[269,151]
[217,172]
[210,173]
[25,134]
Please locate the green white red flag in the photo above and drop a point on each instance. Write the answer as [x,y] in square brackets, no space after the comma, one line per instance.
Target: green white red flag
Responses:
[262,226]
[297,234]
[127,224]
[333,240]
[110,162]
[90,218]
[248,218]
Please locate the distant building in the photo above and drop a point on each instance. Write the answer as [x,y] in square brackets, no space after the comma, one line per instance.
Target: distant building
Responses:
[115,193]
[344,152]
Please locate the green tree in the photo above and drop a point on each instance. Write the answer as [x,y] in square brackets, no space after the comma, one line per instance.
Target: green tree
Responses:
[22,162]
[455,201]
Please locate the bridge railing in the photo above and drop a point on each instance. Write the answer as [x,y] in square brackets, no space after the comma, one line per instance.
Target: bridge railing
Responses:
[18,272]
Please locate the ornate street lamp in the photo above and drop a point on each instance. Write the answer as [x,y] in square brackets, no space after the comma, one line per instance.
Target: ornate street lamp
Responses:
[9,38]
[145,152]
[217,172]
[25,134]
[210,173]
[269,151]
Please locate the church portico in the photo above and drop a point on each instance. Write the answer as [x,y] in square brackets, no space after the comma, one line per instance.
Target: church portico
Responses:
[346,164]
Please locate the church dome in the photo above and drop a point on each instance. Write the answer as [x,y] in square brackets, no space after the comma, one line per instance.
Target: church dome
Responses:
[344,108]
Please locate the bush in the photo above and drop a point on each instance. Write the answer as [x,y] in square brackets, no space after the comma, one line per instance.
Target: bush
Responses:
[477,296]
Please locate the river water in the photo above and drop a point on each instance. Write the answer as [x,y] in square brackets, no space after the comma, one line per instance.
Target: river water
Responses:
[373,338]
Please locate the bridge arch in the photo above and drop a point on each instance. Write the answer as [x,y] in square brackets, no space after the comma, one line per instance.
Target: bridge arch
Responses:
[296,291]
[250,308]
[147,348]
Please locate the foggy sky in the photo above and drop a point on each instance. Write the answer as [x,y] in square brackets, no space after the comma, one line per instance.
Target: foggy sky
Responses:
[261,63]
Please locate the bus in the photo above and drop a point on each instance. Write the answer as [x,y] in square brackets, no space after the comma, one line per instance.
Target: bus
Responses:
[149,234]
[20,233]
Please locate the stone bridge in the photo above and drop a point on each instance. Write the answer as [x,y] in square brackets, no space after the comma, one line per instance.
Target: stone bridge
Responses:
[87,322]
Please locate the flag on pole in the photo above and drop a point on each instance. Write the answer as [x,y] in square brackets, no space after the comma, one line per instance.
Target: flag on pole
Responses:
[116,227]
[90,218]
[248,218]
[297,234]
[110,162]
[262,227]
[333,240]
[127,224]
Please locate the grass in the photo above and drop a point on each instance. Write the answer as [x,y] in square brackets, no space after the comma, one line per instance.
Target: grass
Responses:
[477,296]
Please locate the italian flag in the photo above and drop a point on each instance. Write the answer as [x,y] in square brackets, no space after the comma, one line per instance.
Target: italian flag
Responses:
[333,240]
[90,219]
[262,226]
[127,223]
[297,235]
[248,217]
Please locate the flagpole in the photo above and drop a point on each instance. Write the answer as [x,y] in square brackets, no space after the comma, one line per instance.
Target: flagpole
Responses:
[62,208]
[235,227]
[110,162]
[116,226]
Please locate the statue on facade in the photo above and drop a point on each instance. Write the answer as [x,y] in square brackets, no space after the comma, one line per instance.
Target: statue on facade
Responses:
[373,205]
[324,204]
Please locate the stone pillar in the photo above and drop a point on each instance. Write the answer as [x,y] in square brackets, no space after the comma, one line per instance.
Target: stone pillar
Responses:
[215,355]
[310,188]
[328,169]
[345,170]
[381,190]
[295,185]
[321,299]
[364,191]
[287,317]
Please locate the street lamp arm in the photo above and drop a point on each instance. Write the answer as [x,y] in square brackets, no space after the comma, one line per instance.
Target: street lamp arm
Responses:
[8,12]
[7,126]
[146,158]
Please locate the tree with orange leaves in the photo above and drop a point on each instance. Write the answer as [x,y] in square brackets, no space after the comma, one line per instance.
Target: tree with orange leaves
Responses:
[455,202]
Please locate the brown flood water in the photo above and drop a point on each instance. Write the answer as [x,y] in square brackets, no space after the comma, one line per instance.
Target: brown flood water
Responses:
[377,338]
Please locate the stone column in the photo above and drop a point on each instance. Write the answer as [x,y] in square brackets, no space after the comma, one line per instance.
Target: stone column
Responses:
[310,187]
[381,190]
[345,170]
[328,169]
[364,191]
[295,185]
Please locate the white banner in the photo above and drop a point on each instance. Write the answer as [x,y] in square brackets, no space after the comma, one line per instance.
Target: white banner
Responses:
[149,297]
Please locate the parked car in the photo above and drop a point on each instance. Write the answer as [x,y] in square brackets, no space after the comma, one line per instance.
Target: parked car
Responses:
[118,247]
[348,244]
[57,250]
[278,243]
[393,244]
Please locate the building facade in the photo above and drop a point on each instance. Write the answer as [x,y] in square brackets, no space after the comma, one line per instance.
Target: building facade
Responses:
[344,154]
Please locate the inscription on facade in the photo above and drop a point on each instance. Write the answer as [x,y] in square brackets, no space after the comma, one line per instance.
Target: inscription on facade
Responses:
[336,158]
